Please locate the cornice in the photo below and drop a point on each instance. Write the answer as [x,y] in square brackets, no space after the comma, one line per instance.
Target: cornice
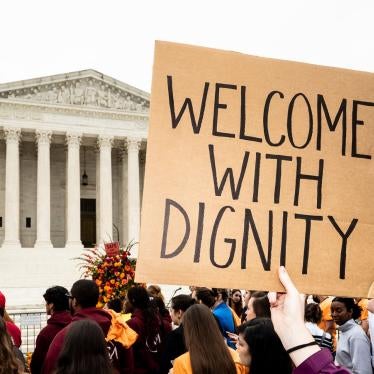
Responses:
[21,109]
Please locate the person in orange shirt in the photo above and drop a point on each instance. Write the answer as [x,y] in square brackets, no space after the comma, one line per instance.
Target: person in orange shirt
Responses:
[363,304]
[327,323]
[207,351]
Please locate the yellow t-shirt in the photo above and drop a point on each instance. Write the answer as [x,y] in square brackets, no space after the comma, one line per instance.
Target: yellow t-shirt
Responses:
[182,364]
[325,306]
[363,303]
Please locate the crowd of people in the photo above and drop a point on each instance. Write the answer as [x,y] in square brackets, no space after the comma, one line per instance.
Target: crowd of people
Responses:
[207,331]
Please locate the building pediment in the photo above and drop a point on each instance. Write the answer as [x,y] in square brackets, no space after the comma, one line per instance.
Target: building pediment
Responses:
[87,88]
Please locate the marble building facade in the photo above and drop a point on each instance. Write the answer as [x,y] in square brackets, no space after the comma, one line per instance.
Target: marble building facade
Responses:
[72,157]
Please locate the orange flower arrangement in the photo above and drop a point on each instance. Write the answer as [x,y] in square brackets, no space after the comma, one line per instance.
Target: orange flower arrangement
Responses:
[114,275]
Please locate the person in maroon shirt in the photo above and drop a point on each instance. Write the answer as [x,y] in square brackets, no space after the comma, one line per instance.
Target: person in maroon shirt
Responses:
[146,322]
[83,297]
[13,330]
[57,306]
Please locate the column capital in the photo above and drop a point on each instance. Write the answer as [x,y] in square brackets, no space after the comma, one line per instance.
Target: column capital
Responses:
[12,134]
[43,136]
[133,144]
[73,138]
[105,141]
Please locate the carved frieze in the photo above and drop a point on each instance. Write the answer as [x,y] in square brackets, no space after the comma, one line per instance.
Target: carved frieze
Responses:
[87,92]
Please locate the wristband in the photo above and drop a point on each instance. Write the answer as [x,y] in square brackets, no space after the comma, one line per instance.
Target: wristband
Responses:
[301,346]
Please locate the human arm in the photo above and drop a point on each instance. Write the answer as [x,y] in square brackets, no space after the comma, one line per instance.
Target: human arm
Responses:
[54,350]
[330,327]
[38,356]
[371,306]
[287,314]
[371,327]
[359,350]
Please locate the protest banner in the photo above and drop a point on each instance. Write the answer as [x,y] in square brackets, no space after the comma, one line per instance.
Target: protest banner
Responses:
[254,163]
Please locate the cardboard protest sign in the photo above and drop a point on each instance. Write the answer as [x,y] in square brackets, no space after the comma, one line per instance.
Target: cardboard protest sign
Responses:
[252,163]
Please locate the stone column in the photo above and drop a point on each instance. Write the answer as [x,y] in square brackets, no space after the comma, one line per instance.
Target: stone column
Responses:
[12,181]
[73,196]
[43,198]
[125,225]
[133,193]
[105,189]
[97,153]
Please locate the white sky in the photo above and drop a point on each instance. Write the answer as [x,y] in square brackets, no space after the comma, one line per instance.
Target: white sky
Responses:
[116,37]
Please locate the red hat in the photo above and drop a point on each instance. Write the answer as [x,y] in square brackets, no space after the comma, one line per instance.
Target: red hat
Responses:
[2,300]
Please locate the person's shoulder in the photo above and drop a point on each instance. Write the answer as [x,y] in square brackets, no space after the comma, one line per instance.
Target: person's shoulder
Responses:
[12,326]
[221,309]
[60,336]
[240,368]
[185,357]
[234,354]
[183,362]
[357,331]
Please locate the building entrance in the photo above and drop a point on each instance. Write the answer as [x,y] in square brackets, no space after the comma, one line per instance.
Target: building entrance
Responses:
[88,222]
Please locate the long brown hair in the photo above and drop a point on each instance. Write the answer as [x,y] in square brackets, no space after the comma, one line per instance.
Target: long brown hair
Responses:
[236,306]
[8,361]
[208,352]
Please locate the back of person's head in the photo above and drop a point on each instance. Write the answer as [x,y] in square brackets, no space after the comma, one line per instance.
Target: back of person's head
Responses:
[85,350]
[182,302]
[116,305]
[205,296]
[350,305]
[138,297]
[252,322]
[85,292]
[159,305]
[58,296]
[261,305]
[313,313]
[8,361]
[267,352]
[208,352]
[155,291]
[221,292]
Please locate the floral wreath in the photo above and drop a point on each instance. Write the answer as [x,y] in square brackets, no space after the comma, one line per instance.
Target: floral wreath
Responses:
[114,274]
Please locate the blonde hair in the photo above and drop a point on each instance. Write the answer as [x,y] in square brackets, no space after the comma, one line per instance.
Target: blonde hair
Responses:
[155,291]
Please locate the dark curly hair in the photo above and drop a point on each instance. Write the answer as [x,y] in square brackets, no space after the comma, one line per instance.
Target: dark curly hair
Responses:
[313,313]
[58,296]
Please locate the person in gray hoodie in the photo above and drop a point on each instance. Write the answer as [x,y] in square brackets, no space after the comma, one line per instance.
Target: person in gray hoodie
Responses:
[353,350]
